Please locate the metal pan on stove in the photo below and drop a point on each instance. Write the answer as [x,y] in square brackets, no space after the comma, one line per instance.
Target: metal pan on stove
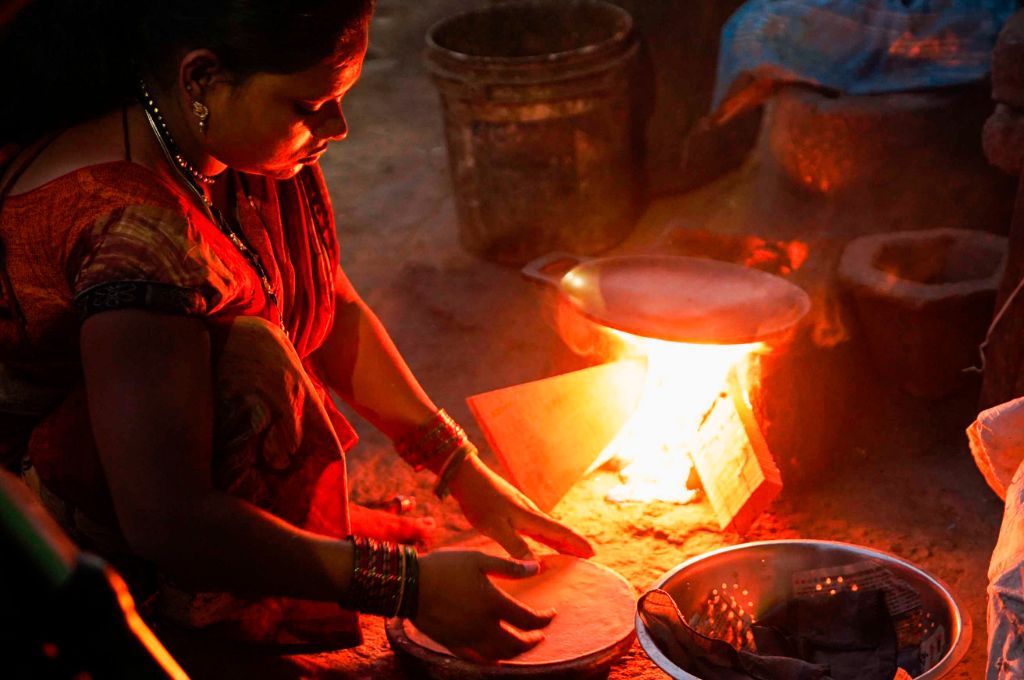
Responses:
[674,297]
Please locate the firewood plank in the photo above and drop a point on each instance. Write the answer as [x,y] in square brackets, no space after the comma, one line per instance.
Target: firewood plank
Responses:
[546,433]
[732,459]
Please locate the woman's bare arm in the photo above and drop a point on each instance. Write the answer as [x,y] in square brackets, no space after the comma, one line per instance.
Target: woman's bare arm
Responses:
[361,363]
[148,378]
[149,383]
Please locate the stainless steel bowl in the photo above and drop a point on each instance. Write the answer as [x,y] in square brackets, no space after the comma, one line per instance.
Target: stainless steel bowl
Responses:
[763,571]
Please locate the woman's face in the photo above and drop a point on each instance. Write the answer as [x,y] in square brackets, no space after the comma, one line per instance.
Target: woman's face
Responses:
[273,124]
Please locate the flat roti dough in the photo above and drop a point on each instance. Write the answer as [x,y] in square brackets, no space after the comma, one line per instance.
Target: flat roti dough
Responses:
[595,608]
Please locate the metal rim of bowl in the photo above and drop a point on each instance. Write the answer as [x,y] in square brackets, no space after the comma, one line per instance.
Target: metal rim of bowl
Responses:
[962,623]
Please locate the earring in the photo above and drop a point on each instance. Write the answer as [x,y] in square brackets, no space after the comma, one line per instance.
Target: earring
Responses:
[202,113]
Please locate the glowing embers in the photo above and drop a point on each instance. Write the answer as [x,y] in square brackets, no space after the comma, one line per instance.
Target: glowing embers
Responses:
[681,421]
[658,410]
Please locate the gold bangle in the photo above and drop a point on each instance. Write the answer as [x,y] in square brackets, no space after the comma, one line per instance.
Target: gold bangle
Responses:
[401,589]
[429,444]
[451,466]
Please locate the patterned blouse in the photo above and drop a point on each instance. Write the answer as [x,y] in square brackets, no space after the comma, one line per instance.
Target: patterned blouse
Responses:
[116,235]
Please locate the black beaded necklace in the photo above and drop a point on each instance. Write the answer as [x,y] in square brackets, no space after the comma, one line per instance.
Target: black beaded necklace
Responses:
[192,178]
[171,147]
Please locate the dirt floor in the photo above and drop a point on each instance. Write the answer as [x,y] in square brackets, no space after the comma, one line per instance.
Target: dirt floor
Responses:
[900,479]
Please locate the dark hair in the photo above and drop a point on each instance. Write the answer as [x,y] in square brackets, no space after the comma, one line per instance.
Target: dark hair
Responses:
[66,61]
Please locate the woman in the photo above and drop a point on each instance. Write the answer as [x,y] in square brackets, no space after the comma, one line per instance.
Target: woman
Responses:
[172,295]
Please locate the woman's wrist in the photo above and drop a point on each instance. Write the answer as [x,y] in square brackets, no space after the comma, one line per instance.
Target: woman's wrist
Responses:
[456,462]
[472,468]
[439,445]
[431,444]
[384,579]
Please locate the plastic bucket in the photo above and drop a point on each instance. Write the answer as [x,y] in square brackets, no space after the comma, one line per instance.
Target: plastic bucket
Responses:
[543,139]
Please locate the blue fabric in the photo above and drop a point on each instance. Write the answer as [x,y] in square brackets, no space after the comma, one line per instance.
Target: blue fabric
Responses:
[1005,615]
[866,47]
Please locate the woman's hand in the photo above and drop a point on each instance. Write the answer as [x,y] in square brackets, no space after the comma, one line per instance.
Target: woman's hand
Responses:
[501,512]
[460,608]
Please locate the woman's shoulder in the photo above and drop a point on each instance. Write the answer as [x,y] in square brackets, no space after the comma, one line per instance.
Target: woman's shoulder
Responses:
[100,188]
[124,184]
[87,169]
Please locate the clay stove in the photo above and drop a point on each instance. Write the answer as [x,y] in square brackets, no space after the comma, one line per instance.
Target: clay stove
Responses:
[662,411]
[693,432]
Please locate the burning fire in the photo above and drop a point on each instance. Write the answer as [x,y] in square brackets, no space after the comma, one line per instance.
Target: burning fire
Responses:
[692,416]
[654,448]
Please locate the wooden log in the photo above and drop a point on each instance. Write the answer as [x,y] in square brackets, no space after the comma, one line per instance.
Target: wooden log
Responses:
[732,459]
[547,433]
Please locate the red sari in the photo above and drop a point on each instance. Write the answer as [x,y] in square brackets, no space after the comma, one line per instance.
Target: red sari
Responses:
[115,236]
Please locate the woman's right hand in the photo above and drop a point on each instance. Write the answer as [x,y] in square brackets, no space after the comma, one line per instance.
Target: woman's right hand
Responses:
[460,608]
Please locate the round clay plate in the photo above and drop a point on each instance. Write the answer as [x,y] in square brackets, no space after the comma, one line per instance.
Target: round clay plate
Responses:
[593,628]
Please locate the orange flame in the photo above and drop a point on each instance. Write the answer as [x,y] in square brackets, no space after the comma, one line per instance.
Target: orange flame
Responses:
[653,447]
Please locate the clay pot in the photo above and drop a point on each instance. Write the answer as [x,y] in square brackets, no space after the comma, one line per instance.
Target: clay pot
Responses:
[900,161]
[924,300]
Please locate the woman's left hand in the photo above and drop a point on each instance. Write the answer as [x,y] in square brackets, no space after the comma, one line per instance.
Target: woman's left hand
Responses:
[503,513]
